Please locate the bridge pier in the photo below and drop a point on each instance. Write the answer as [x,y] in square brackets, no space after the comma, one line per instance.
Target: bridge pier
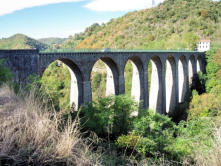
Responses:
[87,93]
[157,86]
[121,82]
[146,93]
[163,86]
[135,89]
[110,85]
[74,93]
[171,84]
[183,76]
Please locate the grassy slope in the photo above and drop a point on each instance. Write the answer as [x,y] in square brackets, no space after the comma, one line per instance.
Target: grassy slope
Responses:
[20,41]
[52,40]
[175,24]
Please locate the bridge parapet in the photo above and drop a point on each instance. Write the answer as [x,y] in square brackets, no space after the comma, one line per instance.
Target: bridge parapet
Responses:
[22,63]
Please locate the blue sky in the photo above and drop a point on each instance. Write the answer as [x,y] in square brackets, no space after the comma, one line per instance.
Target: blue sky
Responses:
[60,18]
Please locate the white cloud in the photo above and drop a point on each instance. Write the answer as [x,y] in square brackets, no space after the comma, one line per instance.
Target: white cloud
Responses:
[120,5]
[9,6]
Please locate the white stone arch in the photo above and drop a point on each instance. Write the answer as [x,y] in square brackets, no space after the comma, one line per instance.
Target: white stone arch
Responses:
[170,83]
[183,77]
[156,91]
[137,78]
[76,86]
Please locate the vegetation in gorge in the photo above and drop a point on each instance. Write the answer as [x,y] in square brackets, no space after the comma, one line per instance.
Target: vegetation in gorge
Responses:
[121,139]
[56,81]
[151,134]
[150,138]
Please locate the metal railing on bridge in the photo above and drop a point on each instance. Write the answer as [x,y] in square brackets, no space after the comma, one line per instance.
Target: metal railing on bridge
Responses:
[109,50]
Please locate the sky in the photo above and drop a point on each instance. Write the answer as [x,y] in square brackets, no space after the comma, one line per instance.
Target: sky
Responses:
[61,18]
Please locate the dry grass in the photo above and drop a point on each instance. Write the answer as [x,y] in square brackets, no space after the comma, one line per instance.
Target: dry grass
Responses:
[212,156]
[29,134]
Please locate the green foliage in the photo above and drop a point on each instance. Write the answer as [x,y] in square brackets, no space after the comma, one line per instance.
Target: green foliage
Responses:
[189,136]
[52,41]
[205,105]
[211,70]
[128,73]
[5,74]
[151,133]
[20,41]
[191,40]
[108,116]
[98,80]
[56,83]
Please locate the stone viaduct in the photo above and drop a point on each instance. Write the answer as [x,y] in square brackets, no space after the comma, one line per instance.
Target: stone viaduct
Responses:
[171,73]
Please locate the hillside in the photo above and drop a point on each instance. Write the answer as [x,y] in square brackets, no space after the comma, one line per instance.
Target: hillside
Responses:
[52,40]
[20,41]
[174,24]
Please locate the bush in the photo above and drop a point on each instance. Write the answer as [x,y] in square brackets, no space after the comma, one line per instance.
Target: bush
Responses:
[5,74]
[190,135]
[151,133]
[108,116]
[206,105]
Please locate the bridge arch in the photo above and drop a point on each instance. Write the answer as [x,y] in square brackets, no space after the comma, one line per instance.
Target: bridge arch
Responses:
[76,85]
[137,78]
[156,91]
[183,77]
[112,75]
[170,83]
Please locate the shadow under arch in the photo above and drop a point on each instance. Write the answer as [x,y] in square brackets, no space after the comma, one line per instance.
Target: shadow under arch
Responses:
[137,78]
[170,83]
[200,65]
[112,77]
[183,77]
[156,91]
[76,86]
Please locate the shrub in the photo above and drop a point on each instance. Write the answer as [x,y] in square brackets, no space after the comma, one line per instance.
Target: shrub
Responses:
[108,116]
[5,74]
[205,105]
[151,133]
[190,135]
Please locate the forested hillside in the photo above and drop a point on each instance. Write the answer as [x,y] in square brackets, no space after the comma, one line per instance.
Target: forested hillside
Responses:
[52,41]
[20,41]
[174,24]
